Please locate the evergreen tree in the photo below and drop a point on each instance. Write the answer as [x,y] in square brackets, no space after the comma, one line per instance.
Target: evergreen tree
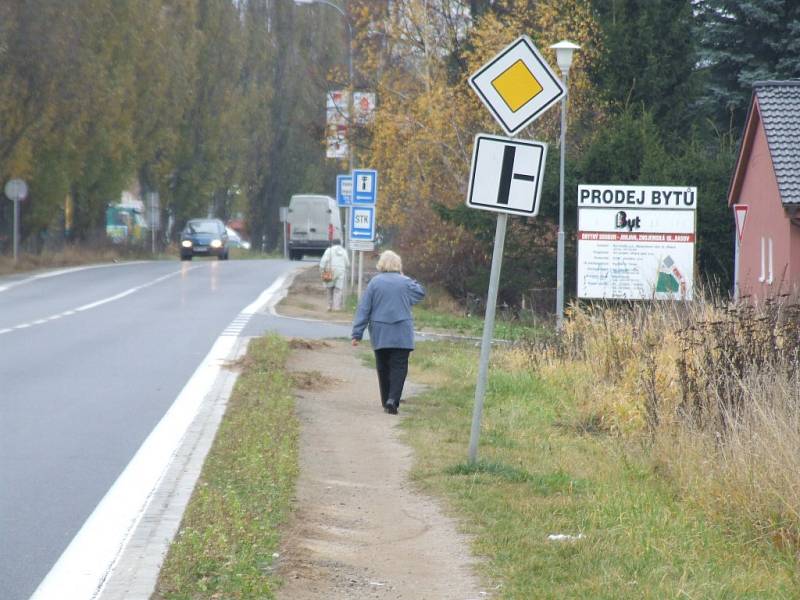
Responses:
[744,41]
[648,58]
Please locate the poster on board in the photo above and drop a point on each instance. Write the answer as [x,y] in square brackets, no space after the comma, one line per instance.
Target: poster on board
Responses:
[636,242]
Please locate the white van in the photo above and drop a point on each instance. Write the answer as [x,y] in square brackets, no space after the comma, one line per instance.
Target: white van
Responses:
[313,224]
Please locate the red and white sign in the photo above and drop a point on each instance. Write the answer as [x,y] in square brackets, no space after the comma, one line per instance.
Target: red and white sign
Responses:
[740,212]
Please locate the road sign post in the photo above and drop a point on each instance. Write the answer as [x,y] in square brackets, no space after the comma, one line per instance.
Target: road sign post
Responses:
[517,86]
[344,198]
[16,190]
[362,222]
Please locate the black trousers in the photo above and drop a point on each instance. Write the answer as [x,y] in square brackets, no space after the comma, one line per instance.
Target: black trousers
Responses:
[392,365]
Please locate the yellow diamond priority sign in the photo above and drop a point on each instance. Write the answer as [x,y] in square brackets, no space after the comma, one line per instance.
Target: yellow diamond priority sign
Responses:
[517,85]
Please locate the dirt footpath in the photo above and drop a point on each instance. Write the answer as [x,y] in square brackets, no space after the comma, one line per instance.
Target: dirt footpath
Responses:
[360,530]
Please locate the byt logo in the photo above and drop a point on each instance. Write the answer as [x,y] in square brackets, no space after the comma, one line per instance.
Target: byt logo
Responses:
[623,222]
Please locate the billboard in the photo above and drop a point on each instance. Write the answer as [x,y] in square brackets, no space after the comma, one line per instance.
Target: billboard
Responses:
[636,242]
[336,117]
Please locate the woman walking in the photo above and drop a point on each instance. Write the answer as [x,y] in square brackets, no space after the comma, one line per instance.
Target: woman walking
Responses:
[386,308]
[333,266]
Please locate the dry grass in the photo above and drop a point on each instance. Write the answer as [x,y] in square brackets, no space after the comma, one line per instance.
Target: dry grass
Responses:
[713,390]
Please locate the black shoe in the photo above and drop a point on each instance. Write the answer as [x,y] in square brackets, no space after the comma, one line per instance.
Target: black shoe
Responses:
[391,407]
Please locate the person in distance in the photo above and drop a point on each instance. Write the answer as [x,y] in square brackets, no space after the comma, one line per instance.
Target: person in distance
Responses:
[385,308]
[333,266]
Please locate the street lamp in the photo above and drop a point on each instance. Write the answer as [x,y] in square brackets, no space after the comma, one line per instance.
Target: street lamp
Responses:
[350,111]
[564,51]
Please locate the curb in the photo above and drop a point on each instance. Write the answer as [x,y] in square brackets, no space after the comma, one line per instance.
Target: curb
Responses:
[135,575]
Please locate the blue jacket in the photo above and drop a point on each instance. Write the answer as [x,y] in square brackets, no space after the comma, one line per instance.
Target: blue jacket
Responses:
[386,308]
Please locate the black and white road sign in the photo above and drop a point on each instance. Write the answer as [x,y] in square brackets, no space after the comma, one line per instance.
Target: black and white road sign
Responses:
[506,175]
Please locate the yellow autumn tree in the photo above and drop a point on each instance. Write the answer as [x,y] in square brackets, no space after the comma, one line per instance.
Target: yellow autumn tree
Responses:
[419,55]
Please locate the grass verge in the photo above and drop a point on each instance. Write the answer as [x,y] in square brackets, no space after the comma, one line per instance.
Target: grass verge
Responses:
[542,472]
[225,545]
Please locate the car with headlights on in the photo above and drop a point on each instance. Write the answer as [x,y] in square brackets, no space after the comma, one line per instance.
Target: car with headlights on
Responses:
[204,237]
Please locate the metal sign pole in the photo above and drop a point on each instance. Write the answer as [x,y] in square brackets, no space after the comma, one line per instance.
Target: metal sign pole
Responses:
[352,252]
[488,332]
[16,229]
[360,271]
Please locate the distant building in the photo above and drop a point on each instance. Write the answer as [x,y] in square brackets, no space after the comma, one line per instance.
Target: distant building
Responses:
[766,186]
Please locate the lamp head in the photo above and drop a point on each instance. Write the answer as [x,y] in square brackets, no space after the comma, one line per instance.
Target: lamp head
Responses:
[305,1]
[564,50]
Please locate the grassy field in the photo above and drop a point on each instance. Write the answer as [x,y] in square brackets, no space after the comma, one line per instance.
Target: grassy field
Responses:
[225,545]
[542,472]
[587,440]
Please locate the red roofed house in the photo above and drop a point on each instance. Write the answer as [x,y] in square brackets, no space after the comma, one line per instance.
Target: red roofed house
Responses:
[767,181]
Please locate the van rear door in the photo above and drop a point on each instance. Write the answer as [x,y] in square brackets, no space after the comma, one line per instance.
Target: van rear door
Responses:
[309,217]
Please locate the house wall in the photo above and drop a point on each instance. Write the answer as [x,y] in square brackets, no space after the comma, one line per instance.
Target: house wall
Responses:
[766,220]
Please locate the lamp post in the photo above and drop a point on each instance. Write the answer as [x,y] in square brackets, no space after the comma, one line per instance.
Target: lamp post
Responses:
[564,50]
[350,115]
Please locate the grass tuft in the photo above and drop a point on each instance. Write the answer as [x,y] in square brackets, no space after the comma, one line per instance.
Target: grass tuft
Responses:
[541,484]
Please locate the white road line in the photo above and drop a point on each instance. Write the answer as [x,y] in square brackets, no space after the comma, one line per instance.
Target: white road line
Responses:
[86,563]
[49,274]
[101,302]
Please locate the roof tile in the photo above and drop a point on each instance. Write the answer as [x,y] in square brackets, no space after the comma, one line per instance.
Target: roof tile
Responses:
[779,105]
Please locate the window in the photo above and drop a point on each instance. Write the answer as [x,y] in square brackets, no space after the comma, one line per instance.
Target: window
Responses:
[766,261]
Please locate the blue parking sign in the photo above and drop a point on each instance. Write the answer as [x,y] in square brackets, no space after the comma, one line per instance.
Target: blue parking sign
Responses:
[344,190]
[365,186]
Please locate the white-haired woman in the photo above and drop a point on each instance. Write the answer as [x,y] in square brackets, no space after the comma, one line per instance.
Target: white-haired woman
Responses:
[386,308]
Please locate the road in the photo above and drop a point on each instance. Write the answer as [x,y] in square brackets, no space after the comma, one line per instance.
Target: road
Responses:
[90,361]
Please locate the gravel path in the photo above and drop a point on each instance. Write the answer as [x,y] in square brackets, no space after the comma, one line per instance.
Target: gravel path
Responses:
[360,530]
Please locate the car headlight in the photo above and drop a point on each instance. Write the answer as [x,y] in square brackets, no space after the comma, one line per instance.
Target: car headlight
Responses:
[186,243]
[216,243]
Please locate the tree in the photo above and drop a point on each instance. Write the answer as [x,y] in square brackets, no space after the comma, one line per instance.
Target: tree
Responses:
[744,41]
[648,58]
[428,116]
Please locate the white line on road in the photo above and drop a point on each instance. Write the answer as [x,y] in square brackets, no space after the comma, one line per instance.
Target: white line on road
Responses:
[50,274]
[92,305]
[85,565]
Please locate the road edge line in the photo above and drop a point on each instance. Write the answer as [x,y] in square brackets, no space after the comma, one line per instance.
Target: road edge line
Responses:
[86,564]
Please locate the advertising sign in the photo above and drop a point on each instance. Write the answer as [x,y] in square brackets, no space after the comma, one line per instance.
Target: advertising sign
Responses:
[336,124]
[636,242]
[364,107]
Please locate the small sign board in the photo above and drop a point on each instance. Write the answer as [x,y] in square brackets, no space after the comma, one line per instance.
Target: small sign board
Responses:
[16,190]
[362,246]
[365,186]
[364,107]
[283,214]
[517,85]
[362,223]
[506,175]
[344,190]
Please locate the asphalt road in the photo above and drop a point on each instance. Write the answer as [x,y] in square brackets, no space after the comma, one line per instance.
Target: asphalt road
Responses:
[90,360]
